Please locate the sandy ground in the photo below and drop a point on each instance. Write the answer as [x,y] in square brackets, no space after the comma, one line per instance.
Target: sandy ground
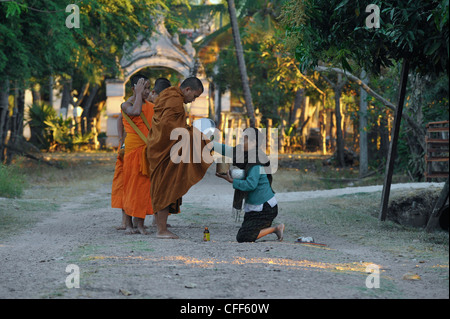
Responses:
[114,265]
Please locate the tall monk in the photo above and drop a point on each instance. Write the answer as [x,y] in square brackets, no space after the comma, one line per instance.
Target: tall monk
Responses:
[171,180]
[137,113]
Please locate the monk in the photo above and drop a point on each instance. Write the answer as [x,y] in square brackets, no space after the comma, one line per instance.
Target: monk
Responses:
[171,180]
[117,184]
[136,182]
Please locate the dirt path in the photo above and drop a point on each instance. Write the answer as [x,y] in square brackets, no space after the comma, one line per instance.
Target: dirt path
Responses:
[113,265]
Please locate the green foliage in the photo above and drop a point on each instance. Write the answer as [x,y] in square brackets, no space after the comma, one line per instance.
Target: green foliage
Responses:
[37,116]
[434,107]
[38,113]
[63,138]
[12,182]
[335,31]
[274,75]
[35,42]
[49,131]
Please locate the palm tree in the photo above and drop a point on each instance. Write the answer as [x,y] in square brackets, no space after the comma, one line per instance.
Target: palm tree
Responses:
[241,62]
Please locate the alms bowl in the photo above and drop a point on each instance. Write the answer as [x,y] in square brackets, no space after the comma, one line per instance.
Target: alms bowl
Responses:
[237,173]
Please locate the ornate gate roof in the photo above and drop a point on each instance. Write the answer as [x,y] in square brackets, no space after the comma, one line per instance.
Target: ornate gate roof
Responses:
[160,50]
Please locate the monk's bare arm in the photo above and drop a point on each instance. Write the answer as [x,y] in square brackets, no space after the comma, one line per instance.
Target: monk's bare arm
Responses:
[135,108]
[120,130]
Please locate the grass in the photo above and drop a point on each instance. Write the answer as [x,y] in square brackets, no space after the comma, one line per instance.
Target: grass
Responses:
[12,181]
[360,212]
[31,191]
[16,214]
[295,175]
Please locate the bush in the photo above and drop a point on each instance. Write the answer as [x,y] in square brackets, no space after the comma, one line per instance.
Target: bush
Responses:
[12,182]
[38,114]
[63,138]
[52,132]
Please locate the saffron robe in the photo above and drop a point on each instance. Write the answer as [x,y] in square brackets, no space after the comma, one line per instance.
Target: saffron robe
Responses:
[117,185]
[136,181]
[171,180]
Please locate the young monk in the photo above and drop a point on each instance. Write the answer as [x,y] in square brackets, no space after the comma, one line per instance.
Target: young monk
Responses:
[260,203]
[117,184]
[137,200]
[170,180]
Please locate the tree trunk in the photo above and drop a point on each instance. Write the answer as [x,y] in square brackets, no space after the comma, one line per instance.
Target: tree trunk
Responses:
[211,106]
[414,140]
[332,131]
[88,106]
[339,136]
[4,93]
[241,62]
[14,126]
[66,97]
[435,214]
[50,90]
[337,88]
[363,151]
[297,106]
[393,146]
[323,131]
[35,93]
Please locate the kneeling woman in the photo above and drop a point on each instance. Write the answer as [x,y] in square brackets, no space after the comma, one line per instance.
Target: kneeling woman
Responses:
[261,206]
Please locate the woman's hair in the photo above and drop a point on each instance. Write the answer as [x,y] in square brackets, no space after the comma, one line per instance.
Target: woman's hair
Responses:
[258,155]
[255,155]
[253,134]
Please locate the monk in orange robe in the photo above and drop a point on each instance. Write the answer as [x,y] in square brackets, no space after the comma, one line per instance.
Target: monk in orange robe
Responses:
[136,181]
[138,113]
[117,184]
[171,180]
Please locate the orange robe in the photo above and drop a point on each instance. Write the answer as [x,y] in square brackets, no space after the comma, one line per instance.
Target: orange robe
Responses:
[136,181]
[117,184]
[170,181]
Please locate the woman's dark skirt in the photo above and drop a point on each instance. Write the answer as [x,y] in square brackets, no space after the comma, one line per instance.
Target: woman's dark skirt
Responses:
[254,222]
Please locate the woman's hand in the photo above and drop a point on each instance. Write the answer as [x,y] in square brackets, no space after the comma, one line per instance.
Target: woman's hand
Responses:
[225,177]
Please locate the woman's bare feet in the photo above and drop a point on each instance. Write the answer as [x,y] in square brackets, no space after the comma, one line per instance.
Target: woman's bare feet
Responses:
[279,230]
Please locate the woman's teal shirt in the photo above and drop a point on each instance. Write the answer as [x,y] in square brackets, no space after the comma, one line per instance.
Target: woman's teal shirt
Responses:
[256,183]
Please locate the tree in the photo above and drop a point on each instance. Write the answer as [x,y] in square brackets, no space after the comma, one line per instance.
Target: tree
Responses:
[273,74]
[36,46]
[241,62]
[338,86]
[414,32]
[363,151]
